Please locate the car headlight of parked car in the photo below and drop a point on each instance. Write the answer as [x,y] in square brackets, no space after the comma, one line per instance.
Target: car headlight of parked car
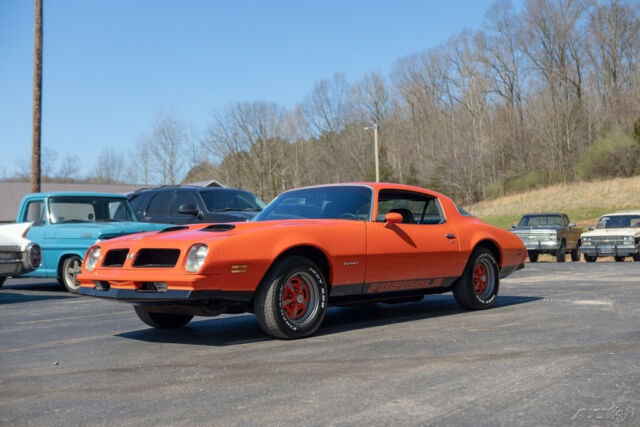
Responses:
[627,239]
[586,241]
[92,258]
[195,258]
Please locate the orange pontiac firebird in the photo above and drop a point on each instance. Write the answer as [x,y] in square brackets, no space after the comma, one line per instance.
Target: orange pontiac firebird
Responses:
[310,247]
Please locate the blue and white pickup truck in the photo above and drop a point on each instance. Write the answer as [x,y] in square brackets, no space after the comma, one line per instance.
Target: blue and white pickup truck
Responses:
[66,224]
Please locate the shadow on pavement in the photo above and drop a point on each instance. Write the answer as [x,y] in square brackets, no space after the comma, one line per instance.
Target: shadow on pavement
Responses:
[244,329]
[15,298]
[35,285]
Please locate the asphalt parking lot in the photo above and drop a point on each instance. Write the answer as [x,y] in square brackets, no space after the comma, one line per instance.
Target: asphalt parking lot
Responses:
[561,346]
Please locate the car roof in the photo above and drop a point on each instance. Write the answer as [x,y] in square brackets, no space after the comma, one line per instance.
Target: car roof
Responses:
[74,194]
[375,186]
[618,213]
[178,187]
[544,213]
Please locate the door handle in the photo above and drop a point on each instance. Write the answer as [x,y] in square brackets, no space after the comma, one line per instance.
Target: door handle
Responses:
[450,236]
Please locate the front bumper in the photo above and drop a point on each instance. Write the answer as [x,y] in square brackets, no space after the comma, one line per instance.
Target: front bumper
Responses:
[609,250]
[541,245]
[169,296]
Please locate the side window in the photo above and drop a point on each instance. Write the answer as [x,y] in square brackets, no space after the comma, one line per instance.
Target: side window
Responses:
[160,204]
[415,208]
[184,197]
[566,220]
[139,203]
[35,212]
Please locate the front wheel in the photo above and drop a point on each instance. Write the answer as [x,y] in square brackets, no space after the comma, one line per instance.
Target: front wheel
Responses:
[619,258]
[69,271]
[478,287]
[162,320]
[561,253]
[590,258]
[636,257]
[292,300]
[533,256]
[575,254]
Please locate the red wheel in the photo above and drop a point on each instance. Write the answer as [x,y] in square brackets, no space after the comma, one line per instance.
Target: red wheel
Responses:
[296,297]
[478,286]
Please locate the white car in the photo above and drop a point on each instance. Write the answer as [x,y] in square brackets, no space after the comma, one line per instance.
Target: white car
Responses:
[617,235]
[17,254]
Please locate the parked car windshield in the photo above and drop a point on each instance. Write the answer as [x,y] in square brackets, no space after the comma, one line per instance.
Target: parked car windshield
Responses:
[68,209]
[540,220]
[619,221]
[331,202]
[231,200]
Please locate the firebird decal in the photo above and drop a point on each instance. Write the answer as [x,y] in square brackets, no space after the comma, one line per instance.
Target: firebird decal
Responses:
[402,285]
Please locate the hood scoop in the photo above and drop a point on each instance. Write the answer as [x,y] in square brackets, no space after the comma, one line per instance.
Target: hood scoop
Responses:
[219,227]
[170,229]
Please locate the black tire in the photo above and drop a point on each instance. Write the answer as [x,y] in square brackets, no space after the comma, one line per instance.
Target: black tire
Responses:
[636,257]
[590,258]
[477,289]
[162,320]
[561,253]
[68,272]
[619,258]
[2,279]
[533,256]
[292,299]
[575,254]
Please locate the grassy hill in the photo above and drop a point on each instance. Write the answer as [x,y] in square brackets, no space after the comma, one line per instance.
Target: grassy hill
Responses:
[584,202]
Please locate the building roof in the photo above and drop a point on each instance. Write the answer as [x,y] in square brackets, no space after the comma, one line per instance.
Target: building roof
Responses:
[11,193]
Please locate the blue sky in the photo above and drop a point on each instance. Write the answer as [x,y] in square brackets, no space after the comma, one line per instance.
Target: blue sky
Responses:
[109,66]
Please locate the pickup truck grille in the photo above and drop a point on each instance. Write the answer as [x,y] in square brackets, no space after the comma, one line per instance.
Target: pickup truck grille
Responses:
[608,240]
[115,258]
[156,258]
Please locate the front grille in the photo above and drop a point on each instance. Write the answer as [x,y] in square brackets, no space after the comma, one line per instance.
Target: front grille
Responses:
[115,258]
[609,241]
[159,258]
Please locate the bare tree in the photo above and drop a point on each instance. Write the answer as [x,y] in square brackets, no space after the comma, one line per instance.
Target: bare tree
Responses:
[166,147]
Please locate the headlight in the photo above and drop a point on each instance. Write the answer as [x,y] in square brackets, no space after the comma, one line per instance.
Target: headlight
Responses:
[34,255]
[586,239]
[627,238]
[195,258]
[91,260]
[552,236]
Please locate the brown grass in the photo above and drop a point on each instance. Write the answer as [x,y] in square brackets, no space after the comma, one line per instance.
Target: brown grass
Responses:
[584,202]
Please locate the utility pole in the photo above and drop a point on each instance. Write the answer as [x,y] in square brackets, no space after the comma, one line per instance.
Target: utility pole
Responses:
[375,148]
[37,99]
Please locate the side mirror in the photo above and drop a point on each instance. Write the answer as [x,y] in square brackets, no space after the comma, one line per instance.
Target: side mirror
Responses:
[591,228]
[188,210]
[514,225]
[392,218]
[572,225]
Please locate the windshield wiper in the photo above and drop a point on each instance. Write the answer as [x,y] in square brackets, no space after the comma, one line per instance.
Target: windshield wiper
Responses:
[70,221]
[109,220]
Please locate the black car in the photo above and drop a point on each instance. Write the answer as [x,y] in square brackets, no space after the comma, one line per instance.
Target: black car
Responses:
[190,204]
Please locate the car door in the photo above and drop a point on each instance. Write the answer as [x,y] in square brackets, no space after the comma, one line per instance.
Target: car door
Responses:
[423,247]
[159,209]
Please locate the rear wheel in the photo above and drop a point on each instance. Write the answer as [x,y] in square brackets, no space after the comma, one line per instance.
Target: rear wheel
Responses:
[590,258]
[619,258]
[292,300]
[561,253]
[478,287]
[69,271]
[636,257]
[162,320]
[533,256]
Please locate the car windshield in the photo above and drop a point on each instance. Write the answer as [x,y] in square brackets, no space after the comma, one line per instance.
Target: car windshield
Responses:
[619,221]
[231,200]
[540,220]
[331,202]
[68,209]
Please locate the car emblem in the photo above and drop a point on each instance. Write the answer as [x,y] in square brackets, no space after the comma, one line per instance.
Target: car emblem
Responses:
[129,256]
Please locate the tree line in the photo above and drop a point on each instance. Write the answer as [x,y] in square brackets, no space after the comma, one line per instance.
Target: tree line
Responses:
[546,94]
